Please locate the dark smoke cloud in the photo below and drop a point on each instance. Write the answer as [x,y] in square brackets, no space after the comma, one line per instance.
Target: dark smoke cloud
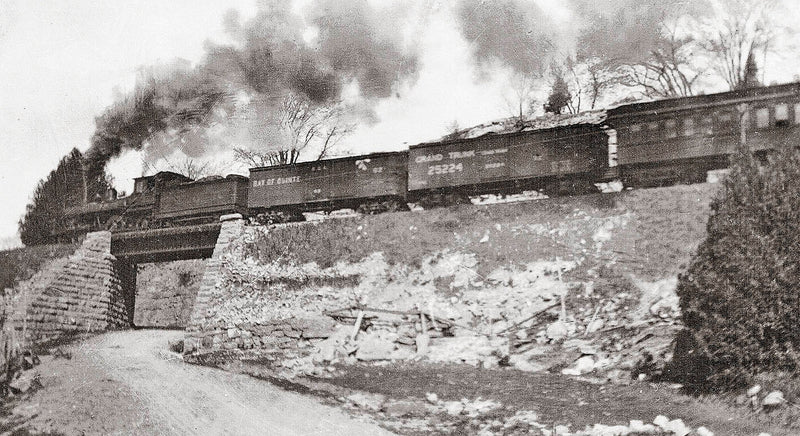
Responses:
[269,60]
[627,30]
[172,97]
[516,33]
[359,42]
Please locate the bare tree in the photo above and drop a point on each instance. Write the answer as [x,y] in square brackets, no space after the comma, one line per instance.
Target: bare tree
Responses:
[521,102]
[595,79]
[740,30]
[297,127]
[669,70]
[197,169]
[644,45]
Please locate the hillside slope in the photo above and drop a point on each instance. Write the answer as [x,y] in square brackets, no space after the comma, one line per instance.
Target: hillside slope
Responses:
[486,279]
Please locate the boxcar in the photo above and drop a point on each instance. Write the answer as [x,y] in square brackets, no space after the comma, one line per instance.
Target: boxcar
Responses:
[680,139]
[348,182]
[202,200]
[500,162]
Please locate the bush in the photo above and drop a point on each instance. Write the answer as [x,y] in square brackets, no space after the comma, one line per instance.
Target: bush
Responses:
[740,296]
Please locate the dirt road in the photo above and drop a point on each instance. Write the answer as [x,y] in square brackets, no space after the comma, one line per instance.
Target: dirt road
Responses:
[128,383]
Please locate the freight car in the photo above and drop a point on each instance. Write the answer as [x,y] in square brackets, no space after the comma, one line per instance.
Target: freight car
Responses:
[370,184]
[678,140]
[559,160]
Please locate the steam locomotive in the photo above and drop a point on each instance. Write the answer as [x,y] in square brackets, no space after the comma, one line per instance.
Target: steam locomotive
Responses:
[643,144]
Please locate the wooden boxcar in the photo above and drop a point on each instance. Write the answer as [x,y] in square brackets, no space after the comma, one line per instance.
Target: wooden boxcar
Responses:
[500,162]
[202,200]
[348,182]
[680,139]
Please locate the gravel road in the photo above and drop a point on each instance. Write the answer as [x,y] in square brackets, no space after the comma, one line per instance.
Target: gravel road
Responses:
[128,383]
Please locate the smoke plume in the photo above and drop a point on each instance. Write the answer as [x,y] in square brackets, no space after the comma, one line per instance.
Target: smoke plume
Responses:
[515,33]
[314,55]
[627,30]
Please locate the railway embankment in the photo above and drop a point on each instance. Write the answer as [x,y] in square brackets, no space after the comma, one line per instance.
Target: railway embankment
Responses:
[581,285]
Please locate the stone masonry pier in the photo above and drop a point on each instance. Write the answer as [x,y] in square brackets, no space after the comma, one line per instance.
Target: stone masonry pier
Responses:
[89,291]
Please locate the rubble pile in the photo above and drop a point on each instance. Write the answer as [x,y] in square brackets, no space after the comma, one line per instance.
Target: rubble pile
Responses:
[537,316]
[531,318]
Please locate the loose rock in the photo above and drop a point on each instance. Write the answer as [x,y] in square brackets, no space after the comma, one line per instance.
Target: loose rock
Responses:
[773,399]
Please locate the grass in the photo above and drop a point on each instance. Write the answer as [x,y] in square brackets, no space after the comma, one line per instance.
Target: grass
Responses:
[656,233]
[557,399]
[20,264]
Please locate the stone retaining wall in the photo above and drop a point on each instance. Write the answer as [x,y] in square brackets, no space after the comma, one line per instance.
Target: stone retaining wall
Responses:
[166,291]
[83,293]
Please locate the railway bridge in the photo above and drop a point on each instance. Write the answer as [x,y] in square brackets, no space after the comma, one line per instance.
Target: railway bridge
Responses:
[95,288]
[163,245]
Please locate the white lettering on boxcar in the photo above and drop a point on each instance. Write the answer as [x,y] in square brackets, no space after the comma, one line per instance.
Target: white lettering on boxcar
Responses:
[461,154]
[445,168]
[285,180]
[492,151]
[429,158]
[495,165]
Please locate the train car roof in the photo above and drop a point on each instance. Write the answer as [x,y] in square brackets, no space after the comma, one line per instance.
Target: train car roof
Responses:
[212,179]
[570,122]
[705,100]
[513,125]
[338,159]
[163,175]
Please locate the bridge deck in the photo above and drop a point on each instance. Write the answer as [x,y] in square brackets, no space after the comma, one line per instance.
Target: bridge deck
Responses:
[161,245]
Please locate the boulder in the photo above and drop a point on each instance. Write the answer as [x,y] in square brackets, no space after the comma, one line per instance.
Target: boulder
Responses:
[315,328]
[702,431]
[366,401]
[773,399]
[453,408]
[753,391]
[522,363]
[661,421]
[422,341]
[557,331]
[677,427]
[637,426]
[405,408]
[374,347]
[583,365]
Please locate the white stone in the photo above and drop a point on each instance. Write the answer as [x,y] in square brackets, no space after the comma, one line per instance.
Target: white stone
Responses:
[562,429]
[661,421]
[584,365]
[752,392]
[609,430]
[702,431]
[677,427]
[557,331]
[453,408]
[774,398]
[423,342]
[637,426]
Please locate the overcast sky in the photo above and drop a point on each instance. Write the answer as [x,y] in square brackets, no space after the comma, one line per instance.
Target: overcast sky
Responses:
[61,62]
